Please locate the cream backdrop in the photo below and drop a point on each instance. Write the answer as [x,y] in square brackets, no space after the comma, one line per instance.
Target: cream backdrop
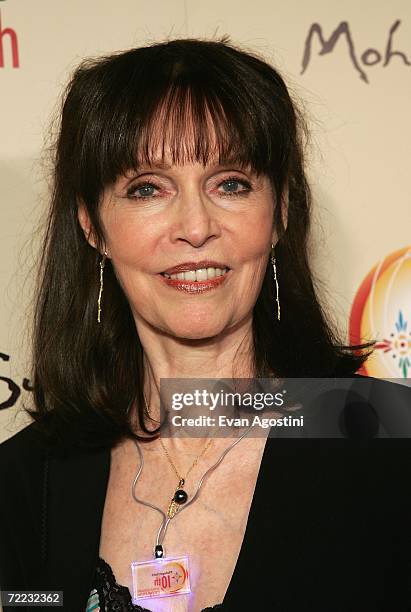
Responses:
[356,93]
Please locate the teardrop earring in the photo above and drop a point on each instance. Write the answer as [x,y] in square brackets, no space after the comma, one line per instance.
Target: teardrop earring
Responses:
[102,263]
[276,281]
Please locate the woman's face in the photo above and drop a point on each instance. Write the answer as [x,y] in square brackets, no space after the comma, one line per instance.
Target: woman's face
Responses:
[163,216]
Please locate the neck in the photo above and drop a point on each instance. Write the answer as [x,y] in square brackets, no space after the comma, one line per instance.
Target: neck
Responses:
[226,356]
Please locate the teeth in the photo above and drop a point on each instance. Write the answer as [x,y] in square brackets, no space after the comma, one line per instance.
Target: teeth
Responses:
[202,274]
[189,276]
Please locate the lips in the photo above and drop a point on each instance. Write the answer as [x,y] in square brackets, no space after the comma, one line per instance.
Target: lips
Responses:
[194,287]
[195,265]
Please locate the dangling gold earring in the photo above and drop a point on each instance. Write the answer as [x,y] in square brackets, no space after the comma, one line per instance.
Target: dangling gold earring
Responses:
[102,262]
[276,282]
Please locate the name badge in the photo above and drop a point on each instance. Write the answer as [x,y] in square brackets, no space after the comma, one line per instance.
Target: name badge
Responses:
[161,577]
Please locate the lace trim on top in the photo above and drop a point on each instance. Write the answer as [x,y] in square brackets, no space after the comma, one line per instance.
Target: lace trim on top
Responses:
[109,596]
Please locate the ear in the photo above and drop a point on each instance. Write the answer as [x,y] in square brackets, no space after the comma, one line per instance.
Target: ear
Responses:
[84,220]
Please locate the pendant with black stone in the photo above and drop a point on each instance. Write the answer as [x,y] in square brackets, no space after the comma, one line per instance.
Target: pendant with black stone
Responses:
[179,498]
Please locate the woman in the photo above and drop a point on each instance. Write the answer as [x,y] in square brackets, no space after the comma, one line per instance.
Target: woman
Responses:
[176,247]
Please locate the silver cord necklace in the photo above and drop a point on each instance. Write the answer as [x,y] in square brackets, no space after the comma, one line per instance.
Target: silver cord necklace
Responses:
[158,549]
[163,576]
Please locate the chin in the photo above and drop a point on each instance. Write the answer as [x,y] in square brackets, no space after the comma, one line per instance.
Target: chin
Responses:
[194,333]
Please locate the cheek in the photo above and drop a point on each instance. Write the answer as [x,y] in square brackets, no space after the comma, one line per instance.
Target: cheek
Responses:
[129,244]
[254,237]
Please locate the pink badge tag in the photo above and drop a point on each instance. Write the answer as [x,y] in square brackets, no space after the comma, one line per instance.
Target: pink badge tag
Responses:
[161,577]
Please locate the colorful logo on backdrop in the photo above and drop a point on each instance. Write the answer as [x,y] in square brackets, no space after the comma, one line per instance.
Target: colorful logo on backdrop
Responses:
[381,311]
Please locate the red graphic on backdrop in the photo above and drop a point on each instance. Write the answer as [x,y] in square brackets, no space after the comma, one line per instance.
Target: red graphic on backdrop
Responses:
[9,42]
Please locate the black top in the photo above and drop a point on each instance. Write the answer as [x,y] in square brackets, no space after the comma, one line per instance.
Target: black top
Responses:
[329,527]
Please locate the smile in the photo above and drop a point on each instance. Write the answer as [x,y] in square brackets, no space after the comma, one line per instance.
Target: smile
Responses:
[202,274]
[196,281]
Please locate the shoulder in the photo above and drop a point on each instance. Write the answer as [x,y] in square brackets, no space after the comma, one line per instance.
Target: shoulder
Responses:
[23,445]
[402,385]
[26,437]
[355,407]
[21,455]
[21,483]
[379,392]
[388,402]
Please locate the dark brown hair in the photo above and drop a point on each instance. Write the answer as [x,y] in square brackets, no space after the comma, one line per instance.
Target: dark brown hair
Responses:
[86,376]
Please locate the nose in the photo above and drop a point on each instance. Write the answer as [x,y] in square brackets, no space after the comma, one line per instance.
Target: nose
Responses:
[194,219]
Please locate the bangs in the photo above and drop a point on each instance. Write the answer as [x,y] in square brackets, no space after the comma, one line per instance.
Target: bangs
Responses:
[190,126]
[154,107]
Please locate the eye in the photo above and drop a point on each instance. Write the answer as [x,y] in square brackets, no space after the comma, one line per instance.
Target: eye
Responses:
[232,183]
[143,191]
[146,189]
